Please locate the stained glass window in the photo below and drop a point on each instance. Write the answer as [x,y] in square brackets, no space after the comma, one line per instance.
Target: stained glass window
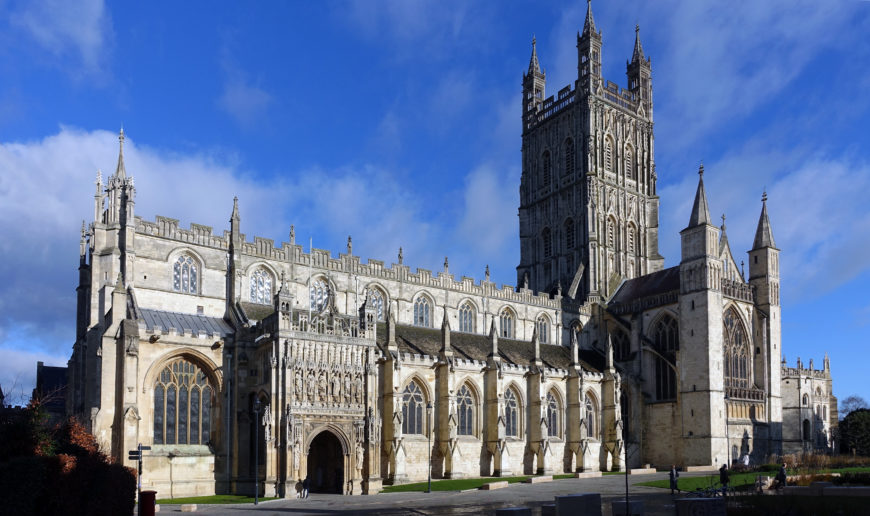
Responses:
[591,417]
[184,275]
[261,287]
[183,415]
[666,341]
[422,312]
[506,324]
[553,415]
[318,294]
[376,298]
[736,352]
[511,414]
[413,406]
[543,329]
[465,411]
[466,318]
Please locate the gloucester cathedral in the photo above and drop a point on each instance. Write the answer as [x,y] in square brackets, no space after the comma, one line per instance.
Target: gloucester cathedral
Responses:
[236,359]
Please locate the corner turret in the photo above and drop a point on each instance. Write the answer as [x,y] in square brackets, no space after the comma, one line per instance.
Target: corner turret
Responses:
[534,88]
[589,53]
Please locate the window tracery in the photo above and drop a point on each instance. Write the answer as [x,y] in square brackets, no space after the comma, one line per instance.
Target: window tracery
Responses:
[547,239]
[318,294]
[553,412]
[591,417]
[465,408]
[666,341]
[543,329]
[737,353]
[466,318]
[608,155]
[569,156]
[621,345]
[376,299]
[570,234]
[182,404]
[413,409]
[422,312]
[546,169]
[511,413]
[184,277]
[261,286]
[506,324]
[629,164]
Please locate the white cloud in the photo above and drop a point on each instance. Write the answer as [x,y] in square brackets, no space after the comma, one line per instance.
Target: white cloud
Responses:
[68,29]
[244,101]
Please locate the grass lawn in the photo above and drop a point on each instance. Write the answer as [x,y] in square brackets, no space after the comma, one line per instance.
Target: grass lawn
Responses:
[737,479]
[216,499]
[459,484]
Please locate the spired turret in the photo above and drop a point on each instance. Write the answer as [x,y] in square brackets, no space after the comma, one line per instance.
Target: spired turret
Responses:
[534,88]
[589,53]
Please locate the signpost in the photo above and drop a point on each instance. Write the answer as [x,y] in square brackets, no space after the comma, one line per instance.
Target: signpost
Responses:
[136,455]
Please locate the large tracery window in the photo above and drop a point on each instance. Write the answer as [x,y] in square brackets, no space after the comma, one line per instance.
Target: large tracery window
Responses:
[511,414]
[543,326]
[591,417]
[318,295]
[666,338]
[621,345]
[466,318]
[506,324]
[465,410]
[261,287]
[413,409]
[184,277]
[422,312]
[182,405]
[736,352]
[553,411]
[376,299]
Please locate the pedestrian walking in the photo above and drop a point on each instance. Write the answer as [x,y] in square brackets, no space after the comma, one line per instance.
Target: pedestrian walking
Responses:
[724,478]
[674,475]
[781,477]
[305,487]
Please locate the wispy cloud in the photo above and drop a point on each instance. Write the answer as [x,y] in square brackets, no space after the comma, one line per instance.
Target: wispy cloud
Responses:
[73,32]
[242,97]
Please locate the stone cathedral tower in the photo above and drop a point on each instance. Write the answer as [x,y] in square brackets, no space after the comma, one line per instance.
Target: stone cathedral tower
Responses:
[588,205]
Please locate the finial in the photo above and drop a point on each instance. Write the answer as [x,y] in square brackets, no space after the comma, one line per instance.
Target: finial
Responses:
[742,272]
[83,228]
[487,272]
[446,265]
[401,256]
[292,234]
[636,28]
[534,40]
[349,245]
[764,196]
[723,222]
[99,177]
[701,170]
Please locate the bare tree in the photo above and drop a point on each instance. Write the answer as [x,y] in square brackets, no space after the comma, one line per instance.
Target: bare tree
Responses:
[850,404]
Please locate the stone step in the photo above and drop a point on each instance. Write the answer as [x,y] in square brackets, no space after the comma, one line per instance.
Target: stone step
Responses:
[538,480]
[188,507]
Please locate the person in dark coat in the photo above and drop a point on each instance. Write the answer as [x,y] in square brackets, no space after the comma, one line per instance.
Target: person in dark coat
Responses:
[781,478]
[305,487]
[724,477]
[674,475]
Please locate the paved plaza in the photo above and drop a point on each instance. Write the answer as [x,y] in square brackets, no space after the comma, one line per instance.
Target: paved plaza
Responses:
[612,487]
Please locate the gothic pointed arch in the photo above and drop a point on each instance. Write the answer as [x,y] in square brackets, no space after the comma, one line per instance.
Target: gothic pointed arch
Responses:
[185,400]
[553,412]
[319,293]
[608,153]
[738,356]
[377,297]
[513,411]
[423,306]
[415,397]
[467,316]
[621,344]
[591,415]
[186,272]
[666,342]
[468,409]
[542,324]
[629,162]
[507,320]
[261,280]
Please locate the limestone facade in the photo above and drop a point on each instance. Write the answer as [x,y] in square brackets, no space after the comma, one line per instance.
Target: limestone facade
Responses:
[238,361]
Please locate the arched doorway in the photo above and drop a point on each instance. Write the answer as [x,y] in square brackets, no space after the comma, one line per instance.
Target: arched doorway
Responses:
[325,464]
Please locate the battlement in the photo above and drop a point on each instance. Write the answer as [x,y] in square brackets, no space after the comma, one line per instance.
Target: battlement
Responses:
[738,290]
[619,96]
[552,106]
[800,370]
[165,227]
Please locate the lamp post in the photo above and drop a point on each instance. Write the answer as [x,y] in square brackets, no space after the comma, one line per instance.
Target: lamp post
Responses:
[429,436]
[256,450]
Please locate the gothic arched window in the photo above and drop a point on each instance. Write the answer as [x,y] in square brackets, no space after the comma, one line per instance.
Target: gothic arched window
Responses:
[666,338]
[553,411]
[547,239]
[466,318]
[629,239]
[465,408]
[506,324]
[629,164]
[621,345]
[608,155]
[611,233]
[570,234]
[546,169]
[413,409]
[422,312]
[737,352]
[806,400]
[318,294]
[261,287]
[376,298]
[569,156]
[184,275]
[182,404]
[511,414]
[591,417]
[543,327]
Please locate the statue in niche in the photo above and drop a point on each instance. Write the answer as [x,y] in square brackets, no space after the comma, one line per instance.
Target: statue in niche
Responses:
[360,456]
[336,386]
[267,423]
[322,387]
[357,387]
[347,392]
[297,455]
[312,386]
[298,383]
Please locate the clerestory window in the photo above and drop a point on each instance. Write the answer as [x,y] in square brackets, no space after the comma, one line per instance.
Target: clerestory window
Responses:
[185,277]
[261,287]
[466,318]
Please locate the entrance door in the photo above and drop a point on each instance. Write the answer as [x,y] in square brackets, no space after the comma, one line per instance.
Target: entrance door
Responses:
[325,464]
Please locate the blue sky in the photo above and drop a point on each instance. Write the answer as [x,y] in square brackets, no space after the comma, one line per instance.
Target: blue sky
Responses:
[398,122]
